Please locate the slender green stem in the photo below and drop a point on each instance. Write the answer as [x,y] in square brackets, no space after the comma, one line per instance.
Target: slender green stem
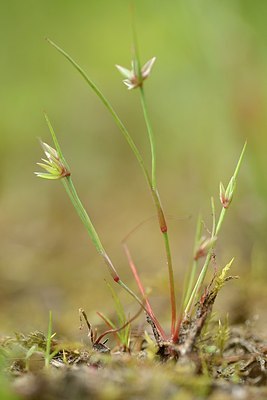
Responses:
[71,191]
[164,230]
[151,138]
[194,264]
[161,217]
[122,284]
[213,217]
[160,330]
[220,221]
[171,281]
[240,161]
[198,283]
[48,341]
[68,184]
[136,58]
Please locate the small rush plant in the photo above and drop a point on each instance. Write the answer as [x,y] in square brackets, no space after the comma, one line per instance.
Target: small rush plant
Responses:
[195,304]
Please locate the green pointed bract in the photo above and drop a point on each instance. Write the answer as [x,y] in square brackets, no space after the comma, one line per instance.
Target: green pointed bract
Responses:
[125,72]
[48,167]
[230,190]
[50,152]
[46,176]
[222,193]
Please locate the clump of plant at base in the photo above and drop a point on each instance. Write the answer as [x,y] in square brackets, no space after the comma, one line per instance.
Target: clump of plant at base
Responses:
[196,305]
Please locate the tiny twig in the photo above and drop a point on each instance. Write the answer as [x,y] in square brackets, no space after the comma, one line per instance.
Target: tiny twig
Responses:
[83,315]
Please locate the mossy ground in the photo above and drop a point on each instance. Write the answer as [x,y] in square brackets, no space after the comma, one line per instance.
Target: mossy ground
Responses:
[237,370]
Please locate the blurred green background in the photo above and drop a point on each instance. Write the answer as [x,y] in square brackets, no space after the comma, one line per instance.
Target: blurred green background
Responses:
[207,95]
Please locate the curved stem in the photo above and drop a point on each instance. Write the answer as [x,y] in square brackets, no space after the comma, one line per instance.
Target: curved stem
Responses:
[109,107]
[115,330]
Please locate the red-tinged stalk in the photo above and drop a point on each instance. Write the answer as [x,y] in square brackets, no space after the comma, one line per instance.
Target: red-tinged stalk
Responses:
[142,291]
[110,325]
[118,329]
[175,337]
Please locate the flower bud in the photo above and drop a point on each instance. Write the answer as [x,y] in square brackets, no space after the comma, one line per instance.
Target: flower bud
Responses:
[226,196]
[204,247]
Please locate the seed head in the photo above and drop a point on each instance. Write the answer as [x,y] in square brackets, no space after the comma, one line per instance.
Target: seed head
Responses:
[135,79]
[226,195]
[53,165]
